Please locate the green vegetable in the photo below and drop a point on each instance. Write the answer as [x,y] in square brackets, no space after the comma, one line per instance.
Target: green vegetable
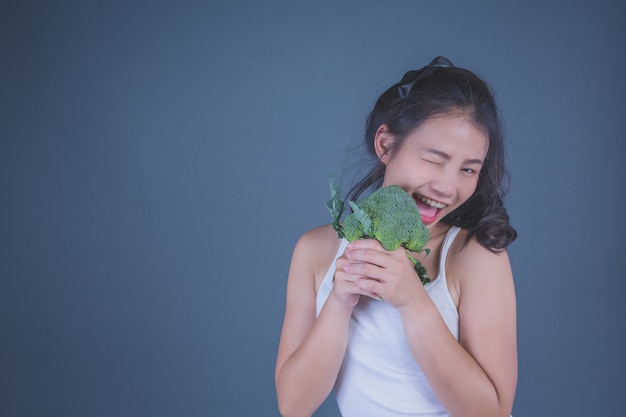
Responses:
[388,215]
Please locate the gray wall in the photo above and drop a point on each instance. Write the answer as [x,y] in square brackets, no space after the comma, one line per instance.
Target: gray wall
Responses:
[158,161]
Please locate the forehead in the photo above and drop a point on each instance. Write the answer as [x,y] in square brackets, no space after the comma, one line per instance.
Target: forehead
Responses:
[453,134]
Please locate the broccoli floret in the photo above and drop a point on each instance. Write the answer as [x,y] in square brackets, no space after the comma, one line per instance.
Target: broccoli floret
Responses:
[388,215]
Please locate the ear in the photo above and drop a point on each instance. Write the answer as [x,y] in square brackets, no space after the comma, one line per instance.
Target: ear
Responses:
[383,140]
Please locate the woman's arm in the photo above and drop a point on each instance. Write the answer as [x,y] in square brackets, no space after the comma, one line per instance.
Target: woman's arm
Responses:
[310,351]
[475,376]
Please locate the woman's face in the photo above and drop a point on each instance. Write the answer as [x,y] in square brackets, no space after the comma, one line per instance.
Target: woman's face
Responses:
[438,164]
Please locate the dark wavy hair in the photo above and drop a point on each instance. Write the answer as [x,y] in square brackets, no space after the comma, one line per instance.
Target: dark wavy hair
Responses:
[440,89]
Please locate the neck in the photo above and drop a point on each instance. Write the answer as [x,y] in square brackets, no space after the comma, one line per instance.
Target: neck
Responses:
[438,231]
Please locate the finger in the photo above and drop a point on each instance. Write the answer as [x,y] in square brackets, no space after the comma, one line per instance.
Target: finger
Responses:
[366,292]
[348,289]
[369,286]
[371,295]
[343,276]
[365,244]
[365,255]
[341,272]
[365,270]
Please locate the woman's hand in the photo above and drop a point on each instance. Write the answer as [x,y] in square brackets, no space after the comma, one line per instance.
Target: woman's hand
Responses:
[366,268]
[345,289]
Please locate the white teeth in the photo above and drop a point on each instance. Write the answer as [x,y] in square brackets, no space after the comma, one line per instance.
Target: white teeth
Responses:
[431,203]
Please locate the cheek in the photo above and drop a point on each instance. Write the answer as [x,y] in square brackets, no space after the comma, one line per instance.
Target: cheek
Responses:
[467,189]
[395,173]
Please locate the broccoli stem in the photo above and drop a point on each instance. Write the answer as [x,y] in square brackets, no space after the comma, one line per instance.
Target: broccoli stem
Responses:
[419,269]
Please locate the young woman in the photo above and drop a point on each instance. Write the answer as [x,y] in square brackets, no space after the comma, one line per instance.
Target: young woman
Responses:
[358,319]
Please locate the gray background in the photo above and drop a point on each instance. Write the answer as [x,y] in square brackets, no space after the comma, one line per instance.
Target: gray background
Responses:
[158,161]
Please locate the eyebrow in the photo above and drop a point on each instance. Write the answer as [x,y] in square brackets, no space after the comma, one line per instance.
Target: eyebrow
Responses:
[447,157]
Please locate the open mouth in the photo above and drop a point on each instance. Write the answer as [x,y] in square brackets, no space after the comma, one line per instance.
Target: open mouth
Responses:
[429,209]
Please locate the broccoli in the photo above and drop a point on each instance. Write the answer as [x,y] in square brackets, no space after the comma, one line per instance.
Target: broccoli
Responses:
[388,215]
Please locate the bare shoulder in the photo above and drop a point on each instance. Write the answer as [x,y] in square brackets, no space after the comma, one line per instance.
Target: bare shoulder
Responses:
[315,250]
[319,236]
[472,264]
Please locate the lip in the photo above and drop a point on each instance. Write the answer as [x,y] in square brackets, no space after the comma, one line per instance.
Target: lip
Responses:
[429,213]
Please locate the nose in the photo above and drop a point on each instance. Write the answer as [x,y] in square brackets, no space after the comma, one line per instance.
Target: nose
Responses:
[444,185]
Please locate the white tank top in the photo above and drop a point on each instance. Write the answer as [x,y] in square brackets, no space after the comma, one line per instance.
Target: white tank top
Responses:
[379,376]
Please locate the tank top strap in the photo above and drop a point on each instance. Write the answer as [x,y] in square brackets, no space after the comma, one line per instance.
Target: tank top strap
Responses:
[327,283]
[445,247]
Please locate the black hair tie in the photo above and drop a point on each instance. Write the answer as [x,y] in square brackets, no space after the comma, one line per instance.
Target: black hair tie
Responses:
[411,77]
